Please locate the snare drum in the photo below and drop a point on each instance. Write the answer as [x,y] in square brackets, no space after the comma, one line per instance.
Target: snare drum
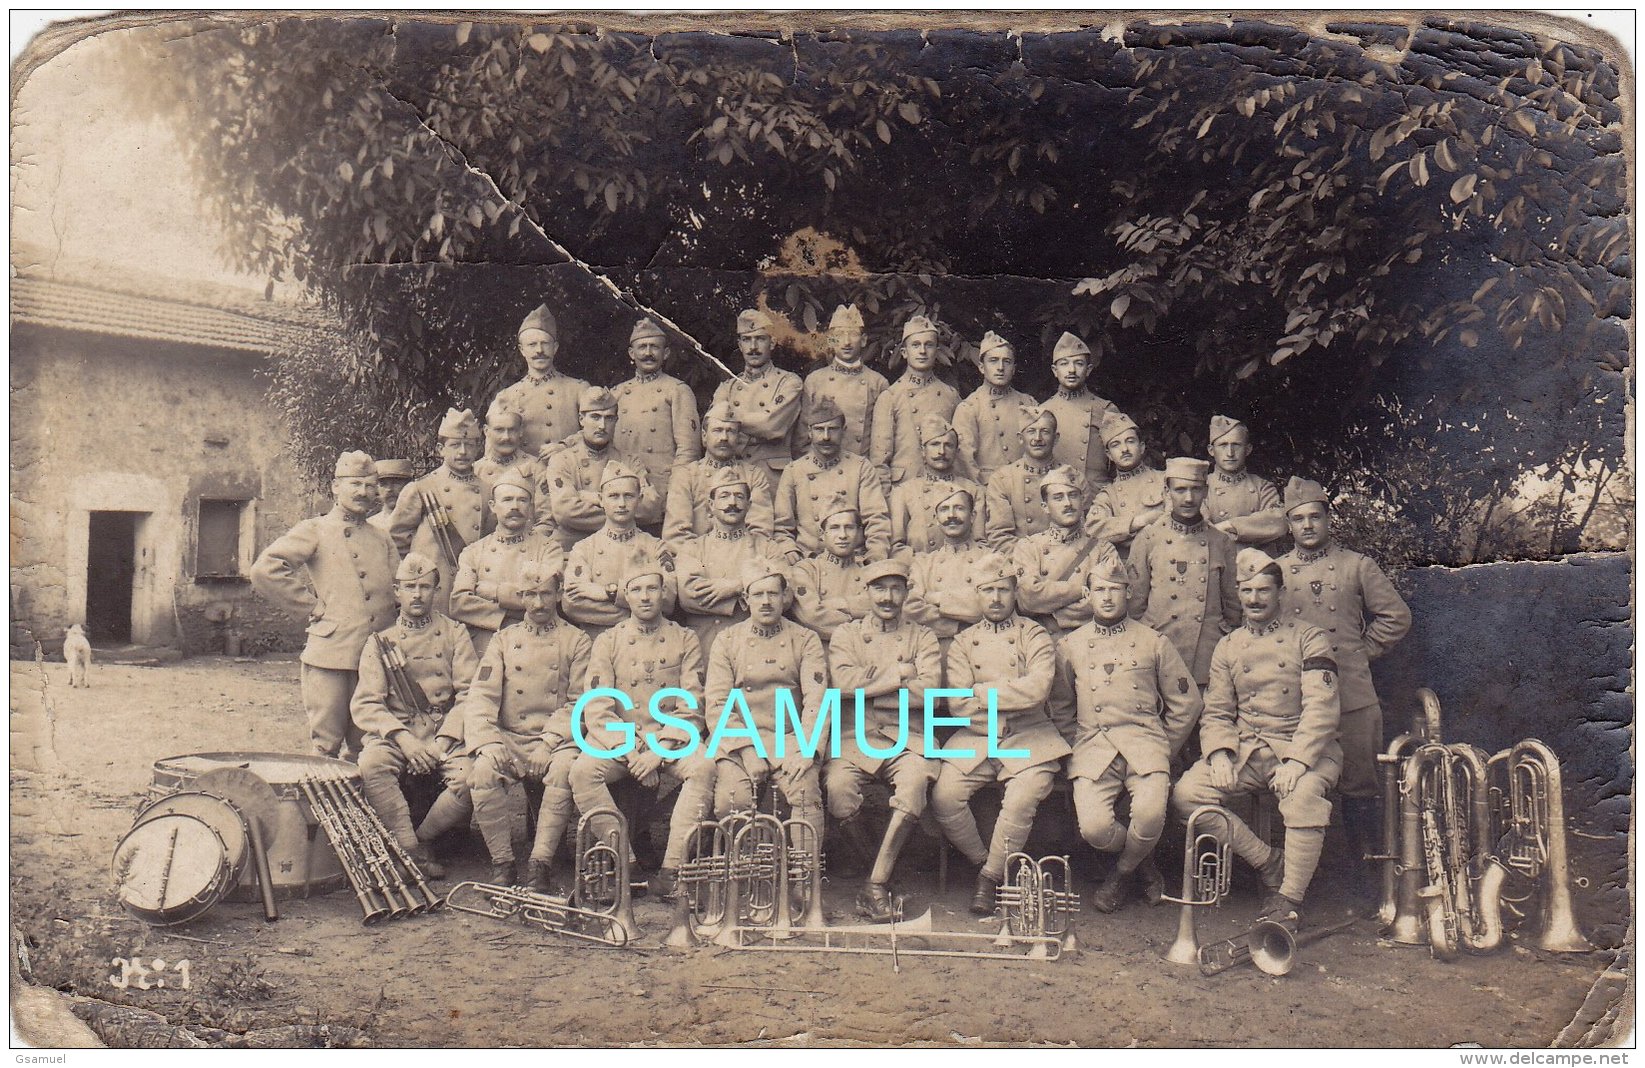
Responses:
[217,814]
[171,868]
[301,859]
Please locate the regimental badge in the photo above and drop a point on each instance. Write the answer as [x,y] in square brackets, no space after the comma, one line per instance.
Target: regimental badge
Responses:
[1108,668]
[578,570]
[799,591]
[1182,566]
[1330,679]
[816,677]
[1182,685]
[559,483]
[485,674]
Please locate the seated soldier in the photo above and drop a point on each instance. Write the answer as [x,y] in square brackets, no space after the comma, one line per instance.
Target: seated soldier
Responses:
[1014,659]
[1136,497]
[1013,507]
[940,594]
[411,676]
[1051,565]
[821,475]
[641,655]
[913,500]
[518,716]
[883,656]
[593,597]
[709,568]
[687,512]
[828,587]
[1270,725]
[486,593]
[1136,704]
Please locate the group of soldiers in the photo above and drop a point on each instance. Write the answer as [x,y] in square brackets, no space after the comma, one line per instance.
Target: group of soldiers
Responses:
[1089,609]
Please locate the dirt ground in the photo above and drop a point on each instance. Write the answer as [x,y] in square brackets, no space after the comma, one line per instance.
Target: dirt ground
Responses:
[83,760]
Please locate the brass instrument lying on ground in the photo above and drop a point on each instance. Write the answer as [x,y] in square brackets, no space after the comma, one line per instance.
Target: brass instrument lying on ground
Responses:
[1270,945]
[386,881]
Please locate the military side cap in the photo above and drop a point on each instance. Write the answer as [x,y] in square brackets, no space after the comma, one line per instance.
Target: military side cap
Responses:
[646,327]
[1068,346]
[642,562]
[1301,491]
[1108,570]
[415,565]
[500,409]
[1252,562]
[753,321]
[511,476]
[919,324]
[1032,414]
[1114,425]
[835,505]
[992,567]
[1222,426]
[892,568]
[759,568]
[354,464]
[615,470]
[720,412]
[596,399]
[542,575]
[540,319]
[931,428]
[394,469]
[823,410]
[459,424]
[846,317]
[1188,469]
[1062,475]
[991,342]
[727,477]
[957,491]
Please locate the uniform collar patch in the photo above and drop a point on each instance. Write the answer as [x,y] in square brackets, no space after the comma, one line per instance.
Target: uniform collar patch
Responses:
[535,628]
[1310,556]
[504,538]
[415,624]
[732,534]
[621,535]
[1229,480]
[762,631]
[1108,630]
[1000,628]
[1186,528]
[1260,629]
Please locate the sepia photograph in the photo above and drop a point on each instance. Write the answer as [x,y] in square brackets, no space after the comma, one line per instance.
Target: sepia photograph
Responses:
[851,529]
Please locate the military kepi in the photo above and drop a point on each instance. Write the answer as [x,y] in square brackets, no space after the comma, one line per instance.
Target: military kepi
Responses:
[395,469]
[1301,491]
[882,569]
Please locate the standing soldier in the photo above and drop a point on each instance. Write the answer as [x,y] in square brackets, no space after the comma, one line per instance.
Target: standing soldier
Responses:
[445,510]
[895,441]
[849,383]
[913,499]
[1079,412]
[829,587]
[393,476]
[891,660]
[337,571]
[1349,599]
[1052,565]
[656,412]
[1239,503]
[989,421]
[686,514]
[518,717]
[640,656]
[487,593]
[821,475]
[766,399]
[759,657]
[571,477]
[1012,507]
[1136,496]
[1270,725]
[1182,571]
[503,455]
[940,594]
[545,398]
[710,566]
[1008,662]
[1136,706]
[411,675]
[593,596]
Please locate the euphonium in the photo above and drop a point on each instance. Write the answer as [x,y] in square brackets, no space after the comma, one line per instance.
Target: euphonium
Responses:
[602,870]
[802,871]
[1207,868]
[1037,903]
[1535,833]
[755,870]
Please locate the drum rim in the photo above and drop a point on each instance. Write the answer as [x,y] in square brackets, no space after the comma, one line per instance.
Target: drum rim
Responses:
[237,865]
[238,757]
[206,898]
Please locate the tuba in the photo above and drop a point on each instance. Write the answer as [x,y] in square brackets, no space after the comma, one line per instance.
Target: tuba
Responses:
[1531,807]
[602,884]
[1207,869]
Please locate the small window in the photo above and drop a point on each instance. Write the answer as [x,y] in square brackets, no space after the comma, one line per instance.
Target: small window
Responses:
[217,551]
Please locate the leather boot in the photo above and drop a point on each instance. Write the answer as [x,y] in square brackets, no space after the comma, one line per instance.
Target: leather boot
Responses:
[539,877]
[502,873]
[423,857]
[875,903]
[986,899]
[665,885]
[1273,872]
[860,847]
[1153,883]
[1111,895]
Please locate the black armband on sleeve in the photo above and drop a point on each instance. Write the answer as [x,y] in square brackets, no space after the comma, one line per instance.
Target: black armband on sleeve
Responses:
[1319,663]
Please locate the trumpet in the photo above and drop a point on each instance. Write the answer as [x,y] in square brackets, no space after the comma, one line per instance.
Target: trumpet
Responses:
[553,914]
[602,885]
[1037,902]
[1207,872]
[1531,808]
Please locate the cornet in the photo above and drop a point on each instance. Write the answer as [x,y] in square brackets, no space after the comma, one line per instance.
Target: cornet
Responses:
[1207,871]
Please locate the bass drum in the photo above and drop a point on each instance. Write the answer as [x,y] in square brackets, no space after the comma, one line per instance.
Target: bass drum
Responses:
[171,869]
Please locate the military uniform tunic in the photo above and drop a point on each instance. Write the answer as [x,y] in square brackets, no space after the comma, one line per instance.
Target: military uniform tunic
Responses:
[828,591]
[766,404]
[599,561]
[913,511]
[1014,509]
[1251,503]
[1017,660]
[1347,596]
[1133,494]
[1079,432]
[806,487]
[486,592]
[488,469]
[547,407]
[657,425]
[941,595]
[687,514]
[865,655]
[571,485]
[413,527]
[1133,697]
[1183,585]
[1057,603]
[856,391]
[717,557]
[894,439]
[989,423]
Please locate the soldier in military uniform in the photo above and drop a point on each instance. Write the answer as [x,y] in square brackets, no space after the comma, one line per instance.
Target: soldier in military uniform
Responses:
[940,595]
[1079,412]
[829,587]
[882,655]
[518,717]
[760,656]
[850,384]
[572,476]
[820,476]
[765,400]
[1052,565]
[1237,502]
[419,737]
[486,593]
[895,441]
[989,421]
[445,510]
[1270,724]
[687,512]
[393,476]
[593,595]
[913,499]
[1182,571]
[336,571]
[1012,506]
[1135,707]
[1136,496]
[709,567]
[545,398]
[656,412]
[641,655]
[503,455]
[1349,598]
[1015,659]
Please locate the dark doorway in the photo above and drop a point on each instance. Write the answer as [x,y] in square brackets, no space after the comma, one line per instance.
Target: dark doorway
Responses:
[111,564]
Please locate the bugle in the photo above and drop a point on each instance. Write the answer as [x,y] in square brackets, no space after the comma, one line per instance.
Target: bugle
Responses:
[1276,942]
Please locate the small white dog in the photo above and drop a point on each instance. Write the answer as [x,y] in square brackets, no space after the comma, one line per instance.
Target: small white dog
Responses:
[77,651]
